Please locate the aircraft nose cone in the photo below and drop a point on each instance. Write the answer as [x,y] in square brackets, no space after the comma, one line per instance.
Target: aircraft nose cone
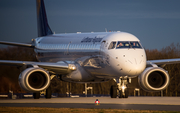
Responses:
[135,66]
[131,62]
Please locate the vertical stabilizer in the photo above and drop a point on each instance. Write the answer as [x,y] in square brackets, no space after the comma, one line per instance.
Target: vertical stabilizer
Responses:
[42,22]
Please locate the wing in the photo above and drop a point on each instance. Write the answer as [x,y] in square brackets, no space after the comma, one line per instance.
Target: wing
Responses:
[58,68]
[163,61]
[17,44]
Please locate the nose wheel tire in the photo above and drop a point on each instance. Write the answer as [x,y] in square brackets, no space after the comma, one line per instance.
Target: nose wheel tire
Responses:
[126,94]
[36,95]
[113,91]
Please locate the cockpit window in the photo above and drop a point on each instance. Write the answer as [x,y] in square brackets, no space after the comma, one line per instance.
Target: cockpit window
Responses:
[135,45]
[127,44]
[112,45]
[123,45]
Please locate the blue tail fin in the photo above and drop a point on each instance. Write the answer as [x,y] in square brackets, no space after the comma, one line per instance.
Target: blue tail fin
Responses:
[42,22]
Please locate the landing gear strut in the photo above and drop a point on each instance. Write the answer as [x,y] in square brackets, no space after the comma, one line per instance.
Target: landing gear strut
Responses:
[120,89]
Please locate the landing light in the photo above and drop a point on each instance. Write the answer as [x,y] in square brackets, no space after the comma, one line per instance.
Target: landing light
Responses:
[72,67]
[123,87]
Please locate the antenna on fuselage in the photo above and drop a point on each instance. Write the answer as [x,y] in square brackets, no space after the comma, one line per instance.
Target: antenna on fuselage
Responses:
[105,29]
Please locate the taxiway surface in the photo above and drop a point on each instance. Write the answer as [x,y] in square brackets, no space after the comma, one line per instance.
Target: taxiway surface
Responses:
[136,103]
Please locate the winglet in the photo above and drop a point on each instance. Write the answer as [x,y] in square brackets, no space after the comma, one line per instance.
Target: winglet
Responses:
[42,22]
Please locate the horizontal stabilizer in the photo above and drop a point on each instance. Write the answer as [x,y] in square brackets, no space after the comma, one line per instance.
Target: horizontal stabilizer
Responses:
[17,44]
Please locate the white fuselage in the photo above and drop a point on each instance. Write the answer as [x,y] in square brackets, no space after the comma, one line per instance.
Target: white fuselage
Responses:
[99,53]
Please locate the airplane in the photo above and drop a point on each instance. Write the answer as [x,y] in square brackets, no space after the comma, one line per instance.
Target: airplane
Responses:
[88,58]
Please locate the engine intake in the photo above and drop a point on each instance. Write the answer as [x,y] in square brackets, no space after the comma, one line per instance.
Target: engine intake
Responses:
[34,79]
[153,79]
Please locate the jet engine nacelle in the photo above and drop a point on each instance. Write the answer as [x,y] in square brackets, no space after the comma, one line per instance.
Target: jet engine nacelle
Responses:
[154,79]
[34,79]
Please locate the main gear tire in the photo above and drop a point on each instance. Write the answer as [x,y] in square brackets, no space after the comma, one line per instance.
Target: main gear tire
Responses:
[36,95]
[48,93]
[113,91]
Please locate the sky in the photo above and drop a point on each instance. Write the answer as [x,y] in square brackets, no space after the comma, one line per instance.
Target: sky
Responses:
[155,22]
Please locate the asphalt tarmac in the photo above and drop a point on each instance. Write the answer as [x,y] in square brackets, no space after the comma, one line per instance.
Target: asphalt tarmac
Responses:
[135,103]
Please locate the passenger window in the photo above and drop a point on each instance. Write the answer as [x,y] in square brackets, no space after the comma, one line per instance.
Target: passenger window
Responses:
[112,45]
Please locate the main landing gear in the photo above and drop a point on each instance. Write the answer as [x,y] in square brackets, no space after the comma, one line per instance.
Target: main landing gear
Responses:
[46,92]
[120,89]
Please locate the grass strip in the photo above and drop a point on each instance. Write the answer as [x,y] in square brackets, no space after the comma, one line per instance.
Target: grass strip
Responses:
[72,110]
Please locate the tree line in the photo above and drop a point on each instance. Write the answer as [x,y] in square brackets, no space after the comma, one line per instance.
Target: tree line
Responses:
[9,74]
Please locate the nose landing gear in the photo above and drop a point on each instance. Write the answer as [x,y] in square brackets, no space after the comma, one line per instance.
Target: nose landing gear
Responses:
[120,89]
